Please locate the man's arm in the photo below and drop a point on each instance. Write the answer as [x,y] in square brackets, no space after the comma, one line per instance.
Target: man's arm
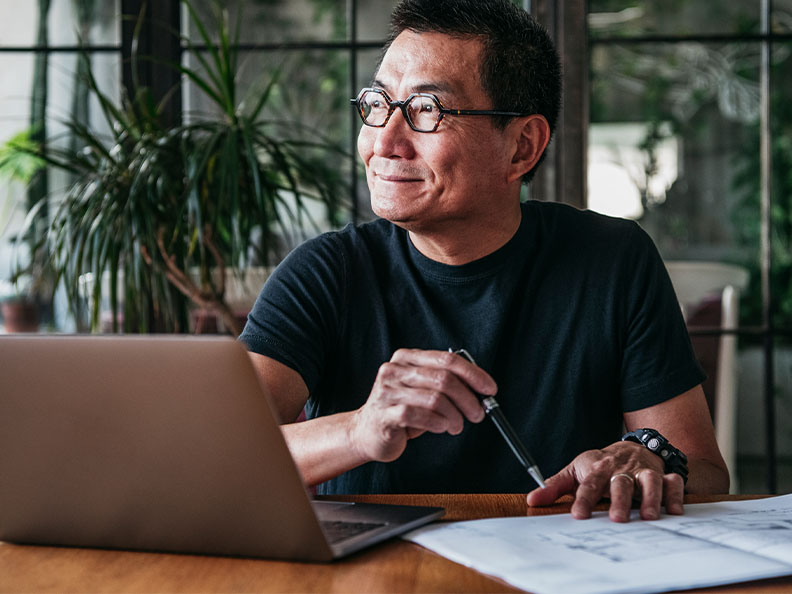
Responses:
[685,421]
[416,391]
[320,447]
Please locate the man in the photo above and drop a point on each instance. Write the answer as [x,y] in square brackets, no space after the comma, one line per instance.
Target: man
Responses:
[570,315]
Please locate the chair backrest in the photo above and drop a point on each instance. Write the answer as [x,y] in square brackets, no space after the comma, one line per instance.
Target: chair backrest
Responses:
[695,280]
[709,294]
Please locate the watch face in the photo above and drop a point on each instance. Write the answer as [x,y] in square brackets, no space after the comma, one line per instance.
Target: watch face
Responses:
[653,444]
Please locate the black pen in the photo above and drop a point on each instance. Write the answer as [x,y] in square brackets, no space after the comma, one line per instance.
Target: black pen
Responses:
[494,412]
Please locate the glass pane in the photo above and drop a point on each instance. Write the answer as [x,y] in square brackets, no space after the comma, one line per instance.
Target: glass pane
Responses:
[631,18]
[782,16]
[273,21]
[783,411]
[18,21]
[70,99]
[781,254]
[313,89]
[367,62]
[673,139]
[781,244]
[751,441]
[15,79]
[373,17]
[751,459]
[62,97]
[16,75]
[97,23]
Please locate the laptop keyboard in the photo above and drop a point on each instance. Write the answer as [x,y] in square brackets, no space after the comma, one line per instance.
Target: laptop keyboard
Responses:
[336,530]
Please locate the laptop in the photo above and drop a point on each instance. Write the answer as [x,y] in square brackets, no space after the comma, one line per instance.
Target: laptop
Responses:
[164,443]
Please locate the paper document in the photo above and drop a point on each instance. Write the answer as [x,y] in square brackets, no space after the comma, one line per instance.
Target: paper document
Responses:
[712,544]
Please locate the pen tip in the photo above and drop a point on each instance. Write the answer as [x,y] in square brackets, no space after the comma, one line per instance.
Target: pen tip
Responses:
[537,476]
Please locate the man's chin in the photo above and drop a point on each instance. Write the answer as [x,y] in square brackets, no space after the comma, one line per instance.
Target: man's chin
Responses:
[395,213]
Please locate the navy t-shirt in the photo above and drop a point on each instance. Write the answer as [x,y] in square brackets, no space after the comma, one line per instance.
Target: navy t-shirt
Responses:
[575,318]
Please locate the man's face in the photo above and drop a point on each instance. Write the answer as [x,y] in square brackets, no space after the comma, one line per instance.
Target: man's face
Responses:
[418,179]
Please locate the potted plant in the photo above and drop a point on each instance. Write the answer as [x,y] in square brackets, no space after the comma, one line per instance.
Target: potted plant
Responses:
[158,215]
[18,296]
[20,312]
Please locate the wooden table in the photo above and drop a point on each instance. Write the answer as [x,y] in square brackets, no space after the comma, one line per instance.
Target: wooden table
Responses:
[395,566]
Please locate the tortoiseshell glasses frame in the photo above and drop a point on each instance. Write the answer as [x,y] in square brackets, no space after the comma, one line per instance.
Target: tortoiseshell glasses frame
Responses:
[423,111]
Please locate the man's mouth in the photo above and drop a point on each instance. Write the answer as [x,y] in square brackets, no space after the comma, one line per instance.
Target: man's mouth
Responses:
[396,177]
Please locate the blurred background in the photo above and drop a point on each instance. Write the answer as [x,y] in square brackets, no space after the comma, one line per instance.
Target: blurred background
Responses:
[120,121]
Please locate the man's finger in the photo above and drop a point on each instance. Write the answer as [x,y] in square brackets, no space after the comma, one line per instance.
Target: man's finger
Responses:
[673,493]
[475,377]
[406,417]
[622,489]
[559,484]
[446,386]
[436,403]
[650,483]
[588,494]
[429,400]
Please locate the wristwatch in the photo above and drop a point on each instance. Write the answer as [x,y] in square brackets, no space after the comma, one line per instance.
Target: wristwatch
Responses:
[674,459]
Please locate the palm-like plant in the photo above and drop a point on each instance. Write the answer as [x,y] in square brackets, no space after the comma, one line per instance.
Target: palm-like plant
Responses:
[164,211]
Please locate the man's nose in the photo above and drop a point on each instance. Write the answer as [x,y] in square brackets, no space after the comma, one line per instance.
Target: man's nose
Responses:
[395,137]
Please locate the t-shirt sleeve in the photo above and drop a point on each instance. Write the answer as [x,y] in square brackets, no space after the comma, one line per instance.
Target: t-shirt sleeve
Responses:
[298,312]
[658,362]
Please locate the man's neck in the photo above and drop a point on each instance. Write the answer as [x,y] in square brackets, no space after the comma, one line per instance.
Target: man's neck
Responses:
[464,242]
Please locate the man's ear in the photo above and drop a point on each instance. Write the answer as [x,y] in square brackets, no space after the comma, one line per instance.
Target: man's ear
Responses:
[533,134]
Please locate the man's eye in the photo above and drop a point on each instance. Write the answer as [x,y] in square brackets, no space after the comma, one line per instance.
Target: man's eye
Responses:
[427,107]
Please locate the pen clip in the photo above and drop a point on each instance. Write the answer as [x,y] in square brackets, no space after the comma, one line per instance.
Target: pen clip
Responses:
[488,406]
[463,353]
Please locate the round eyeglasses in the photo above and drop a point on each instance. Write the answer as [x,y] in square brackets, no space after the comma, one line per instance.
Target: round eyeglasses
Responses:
[423,111]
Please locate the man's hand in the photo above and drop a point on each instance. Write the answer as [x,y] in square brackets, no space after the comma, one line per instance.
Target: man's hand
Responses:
[622,471]
[418,391]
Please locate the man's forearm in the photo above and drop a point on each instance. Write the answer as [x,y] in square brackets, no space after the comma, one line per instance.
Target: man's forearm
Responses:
[322,448]
[706,477]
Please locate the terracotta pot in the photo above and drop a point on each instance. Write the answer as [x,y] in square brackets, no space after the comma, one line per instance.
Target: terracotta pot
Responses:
[20,315]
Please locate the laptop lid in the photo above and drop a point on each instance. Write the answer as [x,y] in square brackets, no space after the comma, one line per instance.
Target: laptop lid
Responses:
[152,443]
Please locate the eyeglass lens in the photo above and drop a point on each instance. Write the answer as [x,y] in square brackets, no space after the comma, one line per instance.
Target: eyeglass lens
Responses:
[423,112]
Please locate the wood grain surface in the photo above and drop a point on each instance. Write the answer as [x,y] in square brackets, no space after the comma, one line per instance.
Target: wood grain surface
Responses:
[395,566]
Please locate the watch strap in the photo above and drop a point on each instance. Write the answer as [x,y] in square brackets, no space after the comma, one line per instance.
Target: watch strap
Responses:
[674,460]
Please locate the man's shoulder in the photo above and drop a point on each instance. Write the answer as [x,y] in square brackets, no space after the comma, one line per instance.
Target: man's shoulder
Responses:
[574,226]
[566,213]
[349,248]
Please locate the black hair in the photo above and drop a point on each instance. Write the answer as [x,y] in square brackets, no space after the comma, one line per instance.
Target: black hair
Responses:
[520,67]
